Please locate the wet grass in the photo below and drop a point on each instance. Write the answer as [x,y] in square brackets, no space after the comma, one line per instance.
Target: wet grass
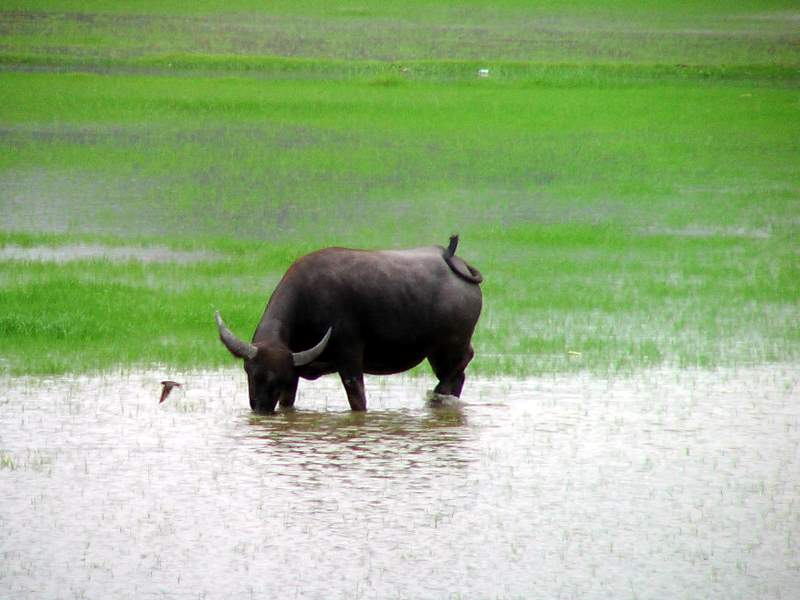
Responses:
[627,211]
[616,31]
[549,308]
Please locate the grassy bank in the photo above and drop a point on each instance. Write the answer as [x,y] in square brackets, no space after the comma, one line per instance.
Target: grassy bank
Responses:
[627,212]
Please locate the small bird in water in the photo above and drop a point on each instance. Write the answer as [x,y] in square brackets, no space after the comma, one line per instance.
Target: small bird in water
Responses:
[166,388]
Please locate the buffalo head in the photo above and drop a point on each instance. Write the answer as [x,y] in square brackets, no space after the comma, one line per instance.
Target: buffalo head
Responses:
[271,368]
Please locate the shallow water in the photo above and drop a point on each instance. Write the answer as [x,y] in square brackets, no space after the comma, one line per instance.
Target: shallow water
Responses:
[670,484]
[75,252]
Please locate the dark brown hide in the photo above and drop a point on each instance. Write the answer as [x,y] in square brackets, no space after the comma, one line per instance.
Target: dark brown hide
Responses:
[387,311]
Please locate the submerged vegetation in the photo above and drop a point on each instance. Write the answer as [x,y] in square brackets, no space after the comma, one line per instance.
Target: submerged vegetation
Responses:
[627,179]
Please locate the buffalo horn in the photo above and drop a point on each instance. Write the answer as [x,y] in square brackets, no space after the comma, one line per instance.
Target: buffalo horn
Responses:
[236,346]
[307,356]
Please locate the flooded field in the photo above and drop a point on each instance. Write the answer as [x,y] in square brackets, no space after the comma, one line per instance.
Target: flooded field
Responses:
[80,252]
[669,484]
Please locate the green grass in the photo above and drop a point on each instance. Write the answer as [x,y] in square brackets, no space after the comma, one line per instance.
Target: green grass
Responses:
[627,210]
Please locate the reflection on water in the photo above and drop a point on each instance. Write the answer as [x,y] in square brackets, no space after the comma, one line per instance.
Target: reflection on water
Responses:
[413,446]
[673,484]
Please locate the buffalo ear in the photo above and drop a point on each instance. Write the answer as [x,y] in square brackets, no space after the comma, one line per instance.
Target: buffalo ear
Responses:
[308,356]
[235,346]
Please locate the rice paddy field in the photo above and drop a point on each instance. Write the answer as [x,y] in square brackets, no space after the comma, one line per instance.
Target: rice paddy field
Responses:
[625,175]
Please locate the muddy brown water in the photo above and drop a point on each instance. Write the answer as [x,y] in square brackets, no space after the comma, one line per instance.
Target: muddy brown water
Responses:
[669,484]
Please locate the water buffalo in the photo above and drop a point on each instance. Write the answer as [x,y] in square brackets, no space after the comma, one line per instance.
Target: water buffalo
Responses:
[355,311]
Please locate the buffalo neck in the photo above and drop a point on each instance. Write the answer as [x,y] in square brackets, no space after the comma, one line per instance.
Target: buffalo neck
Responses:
[276,321]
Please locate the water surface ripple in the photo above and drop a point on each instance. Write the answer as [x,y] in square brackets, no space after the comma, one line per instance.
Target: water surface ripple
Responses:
[669,484]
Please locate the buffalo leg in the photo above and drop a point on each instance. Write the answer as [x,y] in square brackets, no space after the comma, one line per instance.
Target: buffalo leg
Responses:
[449,366]
[351,372]
[353,383]
[288,397]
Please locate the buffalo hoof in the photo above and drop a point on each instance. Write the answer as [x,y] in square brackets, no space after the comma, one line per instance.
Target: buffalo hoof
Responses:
[445,400]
